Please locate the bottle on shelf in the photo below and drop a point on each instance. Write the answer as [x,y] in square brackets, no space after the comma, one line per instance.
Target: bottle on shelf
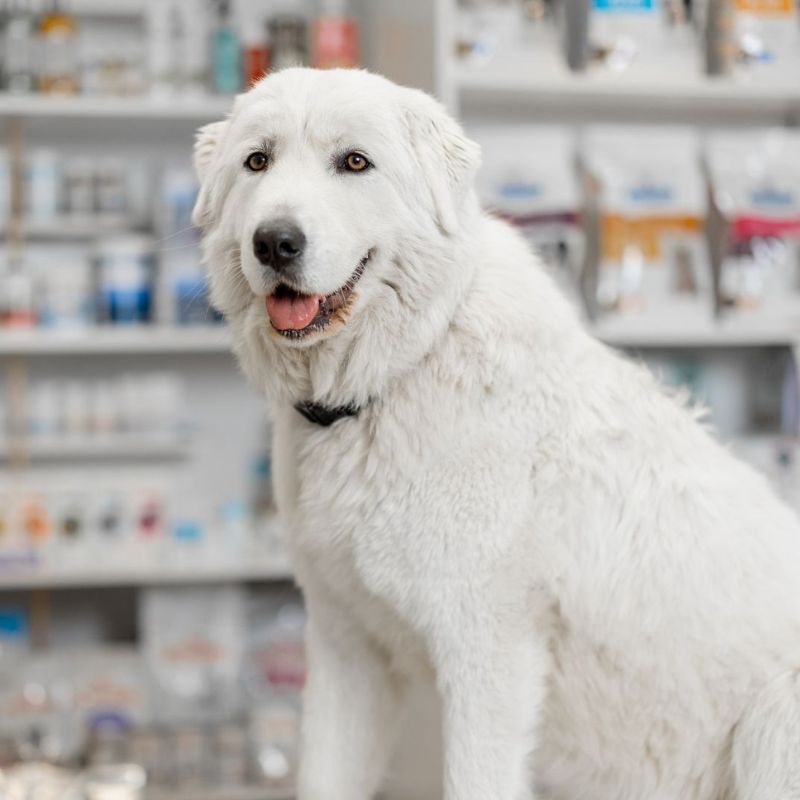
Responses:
[288,36]
[58,37]
[226,69]
[334,37]
[16,48]
[16,298]
[255,54]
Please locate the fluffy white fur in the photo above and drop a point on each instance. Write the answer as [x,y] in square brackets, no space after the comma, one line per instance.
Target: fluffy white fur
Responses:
[607,601]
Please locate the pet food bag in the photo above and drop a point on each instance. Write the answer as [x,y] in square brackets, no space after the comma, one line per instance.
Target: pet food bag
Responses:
[755,177]
[767,37]
[506,32]
[529,178]
[654,35]
[651,206]
[193,645]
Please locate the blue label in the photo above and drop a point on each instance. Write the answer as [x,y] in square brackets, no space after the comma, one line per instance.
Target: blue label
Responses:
[13,624]
[126,305]
[650,193]
[772,198]
[520,190]
[623,6]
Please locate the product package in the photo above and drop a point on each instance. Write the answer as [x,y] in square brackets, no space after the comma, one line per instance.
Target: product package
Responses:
[110,693]
[507,31]
[182,285]
[193,642]
[273,681]
[125,279]
[36,712]
[755,178]
[18,551]
[651,207]
[651,35]
[529,177]
[65,297]
[334,37]
[767,37]
[63,523]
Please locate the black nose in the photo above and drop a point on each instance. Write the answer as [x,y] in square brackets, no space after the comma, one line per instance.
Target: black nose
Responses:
[278,244]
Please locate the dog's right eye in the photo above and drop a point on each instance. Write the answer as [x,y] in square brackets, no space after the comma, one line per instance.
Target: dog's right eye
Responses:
[256,162]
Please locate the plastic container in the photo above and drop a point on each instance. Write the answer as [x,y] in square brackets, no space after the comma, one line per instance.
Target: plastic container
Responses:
[124,278]
[43,185]
[58,38]
[288,34]
[17,49]
[66,295]
[334,37]
[226,69]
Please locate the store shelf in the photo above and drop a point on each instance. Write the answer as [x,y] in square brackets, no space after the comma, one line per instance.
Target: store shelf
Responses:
[76,228]
[238,793]
[89,448]
[116,340]
[529,86]
[644,333]
[91,578]
[213,339]
[196,109]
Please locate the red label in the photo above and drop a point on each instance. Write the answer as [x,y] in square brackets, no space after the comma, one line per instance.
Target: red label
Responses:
[745,227]
[335,43]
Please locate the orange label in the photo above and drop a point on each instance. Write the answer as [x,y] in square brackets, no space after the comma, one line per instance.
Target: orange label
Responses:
[618,232]
[775,7]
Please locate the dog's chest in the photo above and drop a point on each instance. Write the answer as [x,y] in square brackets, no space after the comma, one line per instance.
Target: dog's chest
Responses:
[351,524]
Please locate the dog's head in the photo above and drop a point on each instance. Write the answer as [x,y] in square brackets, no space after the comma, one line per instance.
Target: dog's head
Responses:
[331,203]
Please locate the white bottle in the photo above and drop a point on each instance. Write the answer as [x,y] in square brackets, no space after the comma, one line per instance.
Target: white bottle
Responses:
[43,185]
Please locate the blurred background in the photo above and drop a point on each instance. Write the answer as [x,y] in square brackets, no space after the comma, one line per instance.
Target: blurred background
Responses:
[150,634]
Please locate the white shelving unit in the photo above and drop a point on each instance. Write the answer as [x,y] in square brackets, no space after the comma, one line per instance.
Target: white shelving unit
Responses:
[77,229]
[99,447]
[144,107]
[521,90]
[229,793]
[88,578]
[116,341]
[641,333]
[529,86]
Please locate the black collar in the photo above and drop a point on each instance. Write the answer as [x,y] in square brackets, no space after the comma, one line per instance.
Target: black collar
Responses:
[323,415]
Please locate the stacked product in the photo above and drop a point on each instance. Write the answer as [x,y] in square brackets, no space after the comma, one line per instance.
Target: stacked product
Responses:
[191,46]
[119,278]
[756,180]
[529,178]
[144,407]
[652,38]
[130,520]
[209,699]
[651,211]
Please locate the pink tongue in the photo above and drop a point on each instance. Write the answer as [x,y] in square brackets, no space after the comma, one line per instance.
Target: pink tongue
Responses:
[293,313]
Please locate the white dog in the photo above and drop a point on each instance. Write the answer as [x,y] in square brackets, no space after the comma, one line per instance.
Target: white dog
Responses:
[478,492]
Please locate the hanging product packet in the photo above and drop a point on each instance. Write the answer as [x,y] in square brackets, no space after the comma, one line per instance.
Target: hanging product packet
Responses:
[651,199]
[507,33]
[193,644]
[648,35]
[767,37]
[529,178]
[755,176]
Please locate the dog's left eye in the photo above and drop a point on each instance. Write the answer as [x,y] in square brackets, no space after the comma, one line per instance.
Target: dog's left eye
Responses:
[256,161]
[355,162]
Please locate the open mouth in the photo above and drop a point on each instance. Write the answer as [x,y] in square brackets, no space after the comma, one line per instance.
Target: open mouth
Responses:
[295,315]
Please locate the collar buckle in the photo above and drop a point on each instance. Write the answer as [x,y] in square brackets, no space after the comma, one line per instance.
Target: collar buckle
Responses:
[324,415]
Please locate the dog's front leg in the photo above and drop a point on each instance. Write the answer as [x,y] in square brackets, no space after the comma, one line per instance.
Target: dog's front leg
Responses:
[350,712]
[492,684]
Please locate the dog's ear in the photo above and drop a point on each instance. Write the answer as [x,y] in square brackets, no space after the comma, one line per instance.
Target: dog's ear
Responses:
[205,148]
[447,158]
